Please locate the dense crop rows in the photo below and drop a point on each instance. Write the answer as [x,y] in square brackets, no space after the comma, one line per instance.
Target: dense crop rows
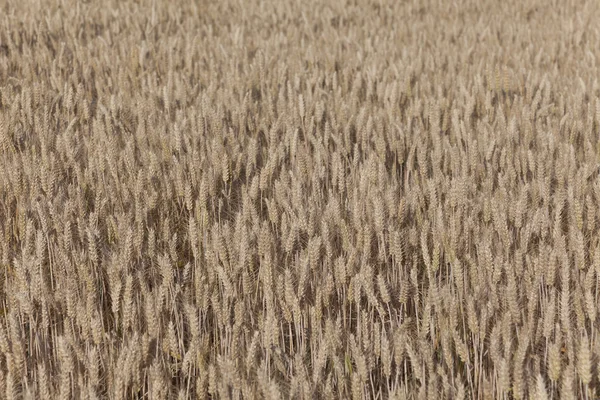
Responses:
[299,199]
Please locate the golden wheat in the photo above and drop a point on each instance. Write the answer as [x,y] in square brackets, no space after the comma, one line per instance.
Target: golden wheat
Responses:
[268,199]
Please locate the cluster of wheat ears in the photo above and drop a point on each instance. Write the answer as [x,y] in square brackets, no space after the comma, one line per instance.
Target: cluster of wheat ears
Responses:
[318,199]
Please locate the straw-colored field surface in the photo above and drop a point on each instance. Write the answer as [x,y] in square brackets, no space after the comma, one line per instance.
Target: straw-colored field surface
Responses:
[299,199]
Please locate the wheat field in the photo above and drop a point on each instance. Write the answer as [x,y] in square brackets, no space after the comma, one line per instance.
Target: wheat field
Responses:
[316,199]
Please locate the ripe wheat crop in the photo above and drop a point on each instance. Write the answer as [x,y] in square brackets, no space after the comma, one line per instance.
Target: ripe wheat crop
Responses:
[363,199]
